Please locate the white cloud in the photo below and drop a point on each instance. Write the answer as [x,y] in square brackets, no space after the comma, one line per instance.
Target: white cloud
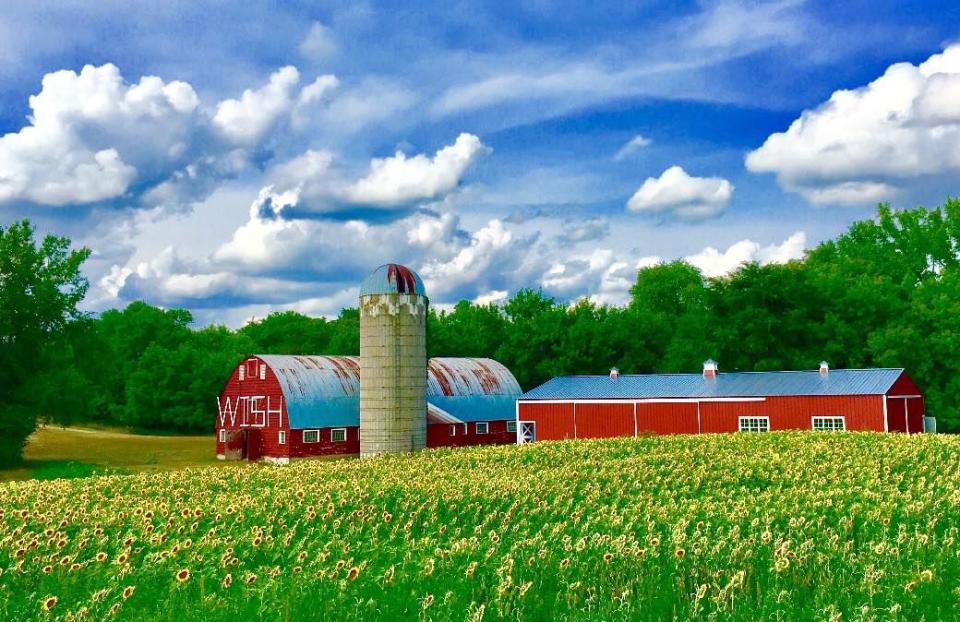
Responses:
[584,230]
[319,42]
[864,144]
[401,180]
[85,140]
[631,146]
[680,194]
[714,263]
[604,277]
[496,296]
[246,120]
[491,252]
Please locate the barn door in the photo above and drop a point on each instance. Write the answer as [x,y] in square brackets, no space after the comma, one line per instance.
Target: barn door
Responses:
[252,444]
[235,445]
[528,432]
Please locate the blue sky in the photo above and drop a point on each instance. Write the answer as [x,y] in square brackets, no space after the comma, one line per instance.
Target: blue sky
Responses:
[238,159]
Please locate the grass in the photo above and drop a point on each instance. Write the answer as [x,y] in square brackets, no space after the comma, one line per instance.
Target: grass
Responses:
[53,452]
[781,526]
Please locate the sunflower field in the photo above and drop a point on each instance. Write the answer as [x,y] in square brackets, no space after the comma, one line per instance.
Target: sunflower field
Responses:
[781,526]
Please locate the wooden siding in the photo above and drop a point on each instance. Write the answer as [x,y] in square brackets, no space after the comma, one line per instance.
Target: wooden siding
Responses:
[266,416]
[438,435]
[325,446]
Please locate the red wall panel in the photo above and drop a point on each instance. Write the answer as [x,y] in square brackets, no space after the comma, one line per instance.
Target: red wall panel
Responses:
[438,435]
[325,446]
[554,421]
[666,418]
[267,414]
[909,416]
[603,420]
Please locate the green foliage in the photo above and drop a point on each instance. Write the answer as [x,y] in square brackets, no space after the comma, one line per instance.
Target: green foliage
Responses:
[40,287]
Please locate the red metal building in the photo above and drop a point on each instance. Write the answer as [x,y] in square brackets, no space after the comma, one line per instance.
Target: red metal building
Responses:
[568,407]
[277,408]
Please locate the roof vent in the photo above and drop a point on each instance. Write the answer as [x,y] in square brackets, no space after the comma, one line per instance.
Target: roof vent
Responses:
[710,368]
[824,368]
[614,373]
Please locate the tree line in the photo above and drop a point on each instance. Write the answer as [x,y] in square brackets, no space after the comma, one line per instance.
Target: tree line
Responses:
[884,293]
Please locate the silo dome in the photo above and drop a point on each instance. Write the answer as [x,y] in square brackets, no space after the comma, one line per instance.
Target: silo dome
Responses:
[392,278]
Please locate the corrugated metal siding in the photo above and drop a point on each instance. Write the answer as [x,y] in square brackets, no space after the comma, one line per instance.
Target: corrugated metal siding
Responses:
[603,420]
[554,421]
[732,384]
[666,418]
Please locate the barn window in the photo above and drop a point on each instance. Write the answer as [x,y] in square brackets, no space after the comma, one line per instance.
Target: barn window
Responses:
[754,424]
[241,371]
[282,438]
[512,427]
[311,436]
[829,424]
[223,436]
[453,430]
[483,427]
[263,372]
[338,435]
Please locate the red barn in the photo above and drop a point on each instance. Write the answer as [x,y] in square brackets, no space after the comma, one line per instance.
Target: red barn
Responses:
[277,408]
[881,400]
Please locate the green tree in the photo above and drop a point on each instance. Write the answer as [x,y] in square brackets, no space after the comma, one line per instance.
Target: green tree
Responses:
[40,288]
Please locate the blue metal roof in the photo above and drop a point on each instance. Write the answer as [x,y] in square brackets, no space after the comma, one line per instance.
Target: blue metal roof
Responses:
[324,391]
[731,384]
[392,278]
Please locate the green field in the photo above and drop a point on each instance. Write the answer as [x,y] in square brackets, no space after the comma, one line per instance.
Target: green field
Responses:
[53,452]
[795,526]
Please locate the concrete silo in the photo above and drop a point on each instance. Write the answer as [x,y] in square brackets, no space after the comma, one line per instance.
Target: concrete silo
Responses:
[393,361]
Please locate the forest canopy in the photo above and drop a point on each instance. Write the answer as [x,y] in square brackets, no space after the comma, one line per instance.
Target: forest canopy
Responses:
[886,293]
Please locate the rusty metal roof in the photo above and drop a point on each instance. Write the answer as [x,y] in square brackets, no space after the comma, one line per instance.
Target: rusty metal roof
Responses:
[392,278]
[725,385]
[324,391]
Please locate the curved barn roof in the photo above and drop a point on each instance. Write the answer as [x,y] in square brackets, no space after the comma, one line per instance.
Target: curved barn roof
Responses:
[392,278]
[324,391]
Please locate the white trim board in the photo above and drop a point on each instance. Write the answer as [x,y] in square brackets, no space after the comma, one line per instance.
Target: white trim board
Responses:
[649,400]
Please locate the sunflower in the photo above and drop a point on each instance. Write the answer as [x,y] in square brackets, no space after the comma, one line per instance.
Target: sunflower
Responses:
[127,592]
[49,603]
[183,575]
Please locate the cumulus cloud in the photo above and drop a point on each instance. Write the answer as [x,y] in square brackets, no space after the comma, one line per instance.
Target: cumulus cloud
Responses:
[246,120]
[714,263]
[400,180]
[604,277]
[633,145]
[865,144]
[85,138]
[675,192]
[488,257]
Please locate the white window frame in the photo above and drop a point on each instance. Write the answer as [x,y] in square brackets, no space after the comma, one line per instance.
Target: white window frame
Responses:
[282,437]
[833,419]
[334,431]
[242,372]
[763,423]
[223,435]
[485,429]
[263,371]
[316,438]
[511,427]
[453,429]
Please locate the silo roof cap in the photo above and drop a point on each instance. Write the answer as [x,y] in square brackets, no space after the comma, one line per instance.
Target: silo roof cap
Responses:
[392,278]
